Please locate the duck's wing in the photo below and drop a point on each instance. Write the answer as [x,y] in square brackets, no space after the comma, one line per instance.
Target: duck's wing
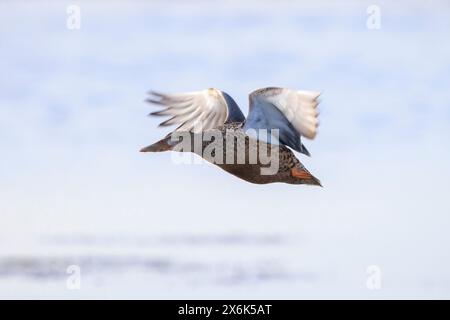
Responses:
[196,111]
[292,112]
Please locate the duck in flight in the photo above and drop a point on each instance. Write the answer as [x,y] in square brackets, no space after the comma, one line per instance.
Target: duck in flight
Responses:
[276,121]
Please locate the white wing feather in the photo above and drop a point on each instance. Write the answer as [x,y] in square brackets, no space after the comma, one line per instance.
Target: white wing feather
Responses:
[299,107]
[194,111]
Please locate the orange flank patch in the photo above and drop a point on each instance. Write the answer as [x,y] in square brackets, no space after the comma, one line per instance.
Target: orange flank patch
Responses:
[301,174]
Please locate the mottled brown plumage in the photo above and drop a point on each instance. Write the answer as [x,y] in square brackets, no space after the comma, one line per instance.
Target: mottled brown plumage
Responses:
[287,160]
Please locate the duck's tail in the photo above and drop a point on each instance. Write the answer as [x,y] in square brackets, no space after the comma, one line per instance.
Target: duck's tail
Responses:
[160,146]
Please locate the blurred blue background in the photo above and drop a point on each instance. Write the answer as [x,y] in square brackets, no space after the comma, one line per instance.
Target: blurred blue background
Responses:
[75,190]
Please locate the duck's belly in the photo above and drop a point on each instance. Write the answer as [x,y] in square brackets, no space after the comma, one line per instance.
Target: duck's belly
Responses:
[252,173]
[248,159]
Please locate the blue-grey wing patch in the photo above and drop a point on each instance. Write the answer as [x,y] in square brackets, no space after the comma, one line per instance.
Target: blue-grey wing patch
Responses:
[234,112]
[292,112]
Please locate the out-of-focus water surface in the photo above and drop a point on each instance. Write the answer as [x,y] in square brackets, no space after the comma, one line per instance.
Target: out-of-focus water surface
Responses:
[75,191]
